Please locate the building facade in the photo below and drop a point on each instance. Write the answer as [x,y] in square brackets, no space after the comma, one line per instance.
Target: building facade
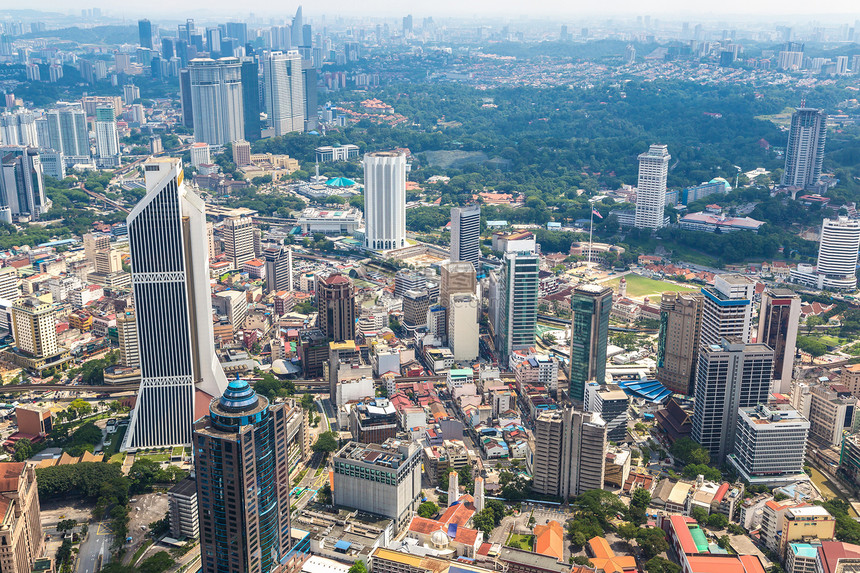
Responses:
[216,100]
[804,153]
[770,444]
[385,200]
[283,91]
[22,539]
[279,269]
[466,234]
[238,234]
[514,303]
[651,188]
[22,186]
[336,305]
[591,306]
[678,341]
[243,482]
[727,309]
[170,280]
[778,321]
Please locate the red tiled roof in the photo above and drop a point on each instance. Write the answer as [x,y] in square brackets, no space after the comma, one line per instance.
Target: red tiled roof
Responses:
[10,473]
[682,533]
[721,492]
[831,552]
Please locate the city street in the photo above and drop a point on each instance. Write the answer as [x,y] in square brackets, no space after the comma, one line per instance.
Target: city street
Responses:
[97,544]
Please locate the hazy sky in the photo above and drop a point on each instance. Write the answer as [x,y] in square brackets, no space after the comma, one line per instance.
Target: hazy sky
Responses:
[848,10]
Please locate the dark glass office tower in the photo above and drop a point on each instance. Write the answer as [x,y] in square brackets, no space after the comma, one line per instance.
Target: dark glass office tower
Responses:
[251,99]
[144,30]
[589,335]
[241,464]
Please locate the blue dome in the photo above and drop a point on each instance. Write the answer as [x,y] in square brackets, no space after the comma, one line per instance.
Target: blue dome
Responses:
[238,396]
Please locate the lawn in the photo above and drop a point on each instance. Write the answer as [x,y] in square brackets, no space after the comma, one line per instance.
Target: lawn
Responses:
[160,456]
[525,542]
[178,451]
[640,287]
[117,458]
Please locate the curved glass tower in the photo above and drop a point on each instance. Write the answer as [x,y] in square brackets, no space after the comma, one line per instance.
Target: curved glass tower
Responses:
[242,482]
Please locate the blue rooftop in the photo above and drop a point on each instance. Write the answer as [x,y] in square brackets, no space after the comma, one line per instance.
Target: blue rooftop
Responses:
[650,390]
[238,396]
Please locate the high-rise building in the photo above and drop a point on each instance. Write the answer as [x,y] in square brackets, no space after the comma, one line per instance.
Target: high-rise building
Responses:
[611,402]
[837,251]
[466,235]
[283,91]
[170,280]
[34,327]
[416,303]
[129,350]
[8,283]
[804,153]
[778,321]
[19,128]
[296,29]
[383,479]
[408,279]
[238,233]
[570,449]
[22,187]
[514,304]
[107,139]
[144,30]
[238,30]
[185,98]
[22,521]
[311,98]
[216,100]
[241,461]
[336,305]
[730,375]
[727,309]
[130,93]
[279,269]
[832,412]
[678,341]
[385,200]
[93,243]
[591,306]
[68,132]
[251,98]
[651,188]
[457,278]
[463,331]
[770,444]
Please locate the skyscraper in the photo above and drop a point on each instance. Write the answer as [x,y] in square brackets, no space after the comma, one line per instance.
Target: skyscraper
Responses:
[107,139]
[591,305]
[185,98]
[466,234]
[678,341]
[730,375]
[385,200]
[144,31]
[216,100]
[279,268]
[514,296]
[170,279]
[238,233]
[837,252]
[336,305]
[311,99]
[34,327]
[456,278]
[19,128]
[243,482]
[238,30]
[251,98]
[727,309]
[778,321]
[570,448]
[463,331]
[804,153]
[129,349]
[296,28]
[22,187]
[283,91]
[68,132]
[651,188]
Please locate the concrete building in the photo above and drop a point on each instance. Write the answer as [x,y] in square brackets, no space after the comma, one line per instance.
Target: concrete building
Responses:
[385,200]
[678,341]
[343,221]
[805,522]
[8,283]
[279,269]
[216,100]
[837,257]
[200,154]
[336,304]
[22,186]
[328,153]
[804,153]
[234,305]
[129,349]
[238,234]
[513,303]
[107,139]
[283,91]
[241,153]
[18,127]
[463,328]
[651,188]
[570,448]
[538,370]
[408,279]
[770,444]
[182,510]
[466,234]
[727,309]
[34,327]
[241,447]
[373,420]
[416,303]
[383,479]
[167,239]
[611,402]
[66,132]
[22,540]
[591,305]
[832,411]
[778,320]
[729,376]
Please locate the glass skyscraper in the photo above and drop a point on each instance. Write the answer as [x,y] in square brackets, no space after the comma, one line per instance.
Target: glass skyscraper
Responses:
[241,460]
[591,306]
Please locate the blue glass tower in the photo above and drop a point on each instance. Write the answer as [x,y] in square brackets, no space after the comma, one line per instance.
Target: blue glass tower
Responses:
[242,482]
